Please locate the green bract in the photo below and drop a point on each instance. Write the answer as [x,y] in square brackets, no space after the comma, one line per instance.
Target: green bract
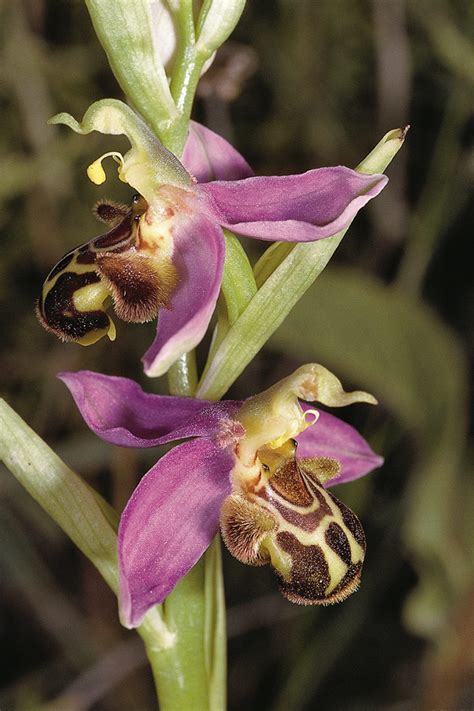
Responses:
[216,22]
[79,510]
[126,31]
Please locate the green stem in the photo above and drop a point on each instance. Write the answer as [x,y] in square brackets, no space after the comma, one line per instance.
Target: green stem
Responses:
[190,673]
[184,63]
[182,376]
[183,87]
[187,70]
[238,287]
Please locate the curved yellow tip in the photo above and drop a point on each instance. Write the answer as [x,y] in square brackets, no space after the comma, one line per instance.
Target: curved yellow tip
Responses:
[96,173]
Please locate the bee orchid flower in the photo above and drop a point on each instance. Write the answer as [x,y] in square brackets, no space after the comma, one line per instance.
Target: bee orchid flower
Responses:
[164,255]
[238,468]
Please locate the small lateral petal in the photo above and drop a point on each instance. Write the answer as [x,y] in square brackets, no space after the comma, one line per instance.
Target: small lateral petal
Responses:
[168,523]
[208,156]
[331,437]
[293,208]
[199,251]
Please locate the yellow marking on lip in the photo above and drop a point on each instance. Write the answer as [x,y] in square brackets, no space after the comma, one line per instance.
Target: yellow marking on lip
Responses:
[93,336]
[90,297]
[280,560]
[93,297]
[73,267]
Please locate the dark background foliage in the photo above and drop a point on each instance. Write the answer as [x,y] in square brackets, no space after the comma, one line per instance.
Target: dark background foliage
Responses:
[303,83]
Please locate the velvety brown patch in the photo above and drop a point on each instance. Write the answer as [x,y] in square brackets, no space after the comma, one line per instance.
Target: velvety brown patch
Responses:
[288,483]
[337,541]
[309,577]
[351,521]
[138,287]
[243,526]
[109,211]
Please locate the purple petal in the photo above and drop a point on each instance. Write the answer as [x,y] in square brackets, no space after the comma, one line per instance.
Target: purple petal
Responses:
[119,412]
[169,522]
[199,250]
[293,208]
[331,437]
[208,156]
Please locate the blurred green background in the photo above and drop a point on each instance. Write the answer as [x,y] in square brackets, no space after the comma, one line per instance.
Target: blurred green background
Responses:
[303,83]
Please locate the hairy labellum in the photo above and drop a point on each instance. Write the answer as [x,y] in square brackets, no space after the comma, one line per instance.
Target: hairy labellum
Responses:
[286,518]
[76,291]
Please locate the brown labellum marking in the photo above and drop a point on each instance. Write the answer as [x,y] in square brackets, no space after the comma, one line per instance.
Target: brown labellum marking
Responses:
[139,288]
[132,290]
[351,521]
[315,544]
[348,585]
[288,483]
[306,521]
[337,541]
[309,577]
[244,525]
[58,314]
